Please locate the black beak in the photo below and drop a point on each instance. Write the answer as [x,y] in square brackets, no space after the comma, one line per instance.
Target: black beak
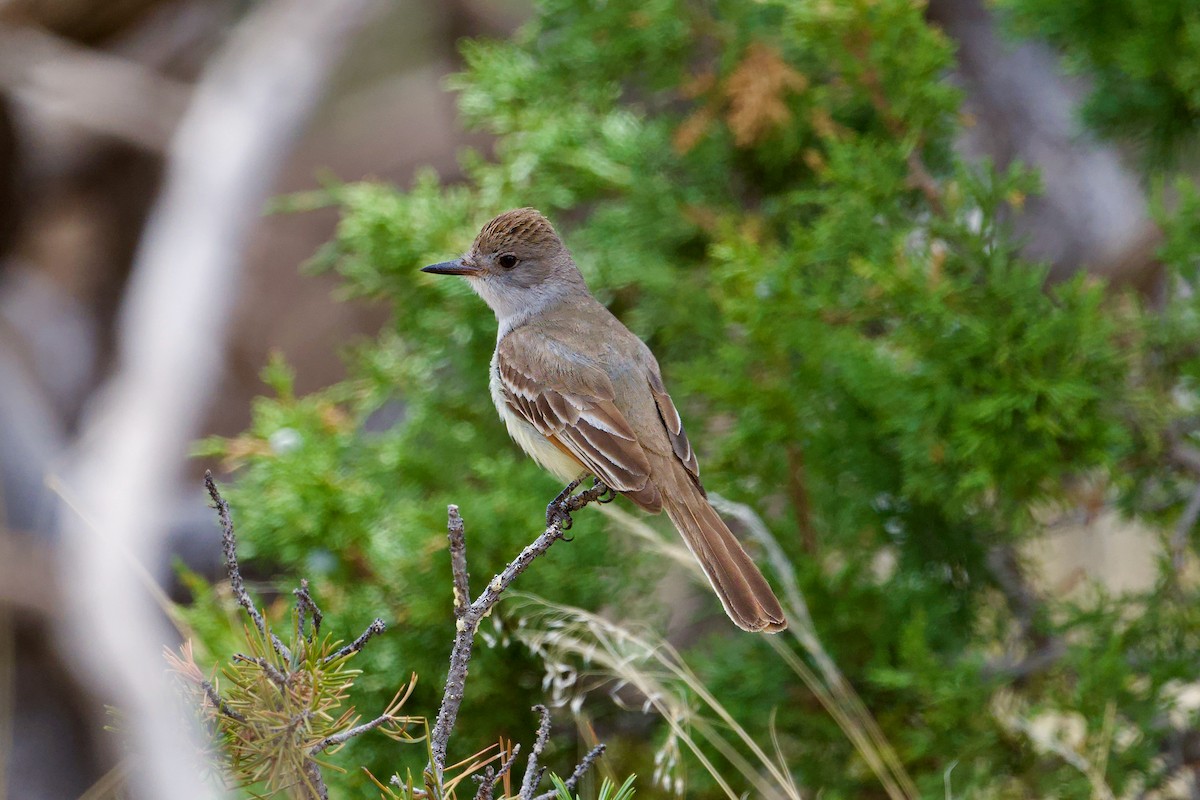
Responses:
[455,267]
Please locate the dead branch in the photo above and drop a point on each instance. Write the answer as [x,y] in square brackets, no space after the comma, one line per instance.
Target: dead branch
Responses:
[313,781]
[375,628]
[306,607]
[532,774]
[558,519]
[229,550]
[489,779]
[578,774]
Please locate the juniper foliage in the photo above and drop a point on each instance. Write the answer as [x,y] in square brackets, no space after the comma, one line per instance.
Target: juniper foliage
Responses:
[1142,58]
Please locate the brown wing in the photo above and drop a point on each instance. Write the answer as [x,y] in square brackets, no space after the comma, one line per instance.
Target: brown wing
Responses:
[674,425]
[572,405]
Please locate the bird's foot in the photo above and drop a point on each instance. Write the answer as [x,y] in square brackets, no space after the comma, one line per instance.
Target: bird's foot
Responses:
[559,510]
[607,494]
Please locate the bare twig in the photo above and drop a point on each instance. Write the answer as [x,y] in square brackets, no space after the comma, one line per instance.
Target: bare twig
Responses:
[374,629]
[577,775]
[272,672]
[219,703]
[532,774]
[305,607]
[347,735]
[1023,602]
[1184,456]
[487,783]
[458,563]
[797,490]
[311,780]
[1039,660]
[314,781]
[229,549]
[96,90]
[558,516]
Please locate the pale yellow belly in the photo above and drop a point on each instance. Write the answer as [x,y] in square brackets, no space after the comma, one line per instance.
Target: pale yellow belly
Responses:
[539,448]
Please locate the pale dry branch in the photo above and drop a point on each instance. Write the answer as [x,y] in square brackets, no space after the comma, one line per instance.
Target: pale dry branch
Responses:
[533,775]
[306,607]
[468,617]
[577,775]
[1183,531]
[247,107]
[236,584]
[374,629]
[100,92]
[490,777]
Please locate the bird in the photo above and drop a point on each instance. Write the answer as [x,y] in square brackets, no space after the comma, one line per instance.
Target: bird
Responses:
[582,394]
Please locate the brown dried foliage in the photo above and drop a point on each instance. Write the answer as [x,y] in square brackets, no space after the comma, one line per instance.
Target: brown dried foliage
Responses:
[752,100]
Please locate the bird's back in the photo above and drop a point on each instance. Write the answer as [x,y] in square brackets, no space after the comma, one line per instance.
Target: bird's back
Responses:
[603,342]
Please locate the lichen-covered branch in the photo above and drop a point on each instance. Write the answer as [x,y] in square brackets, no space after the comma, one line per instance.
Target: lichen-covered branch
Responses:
[229,548]
[533,775]
[576,776]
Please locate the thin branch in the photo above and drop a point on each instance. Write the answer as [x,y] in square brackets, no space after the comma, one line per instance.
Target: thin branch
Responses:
[219,702]
[247,107]
[1023,602]
[1039,660]
[314,781]
[305,607]
[277,677]
[487,783]
[532,774]
[458,562]
[229,548]
[558,516]
[797,491]
[577,775]
[389,715]
[345,736]
[374,629]
[71,85]
[1185,457]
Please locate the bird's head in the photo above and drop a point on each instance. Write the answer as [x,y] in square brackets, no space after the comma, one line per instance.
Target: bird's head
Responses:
[517,264]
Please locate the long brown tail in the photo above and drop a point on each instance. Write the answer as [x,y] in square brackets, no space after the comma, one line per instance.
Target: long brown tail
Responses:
[743,590]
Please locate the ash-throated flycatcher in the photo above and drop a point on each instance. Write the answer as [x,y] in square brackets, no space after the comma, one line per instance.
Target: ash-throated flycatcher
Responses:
[581,394]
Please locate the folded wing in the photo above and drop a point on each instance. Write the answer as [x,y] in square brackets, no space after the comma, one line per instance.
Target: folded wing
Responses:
[572,406]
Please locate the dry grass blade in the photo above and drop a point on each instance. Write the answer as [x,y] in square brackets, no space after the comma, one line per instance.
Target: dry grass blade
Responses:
[623,657]
[830,687]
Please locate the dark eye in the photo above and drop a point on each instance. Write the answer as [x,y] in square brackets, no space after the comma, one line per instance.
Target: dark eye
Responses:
[508,260]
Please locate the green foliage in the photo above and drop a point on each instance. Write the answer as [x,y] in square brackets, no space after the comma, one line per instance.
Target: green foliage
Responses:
[1143,57]
[608,789]
[766,192]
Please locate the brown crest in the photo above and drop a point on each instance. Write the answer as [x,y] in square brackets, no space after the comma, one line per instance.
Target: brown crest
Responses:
[518,231]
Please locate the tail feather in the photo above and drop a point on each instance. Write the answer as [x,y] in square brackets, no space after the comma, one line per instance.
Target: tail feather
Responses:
[741,587]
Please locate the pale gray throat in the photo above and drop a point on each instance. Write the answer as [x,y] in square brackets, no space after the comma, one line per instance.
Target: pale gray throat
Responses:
[516,306]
